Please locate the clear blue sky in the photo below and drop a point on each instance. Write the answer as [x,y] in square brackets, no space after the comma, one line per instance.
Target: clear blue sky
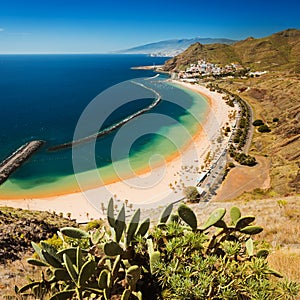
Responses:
[32,26]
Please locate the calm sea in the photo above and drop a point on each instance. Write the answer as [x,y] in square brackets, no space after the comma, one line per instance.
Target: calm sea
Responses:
[43,97]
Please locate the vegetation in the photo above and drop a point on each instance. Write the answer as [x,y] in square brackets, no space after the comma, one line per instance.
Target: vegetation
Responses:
[177,259]
[191,193]
[20,227]
[258,123]
[241,158]
[264,128]
[241,134]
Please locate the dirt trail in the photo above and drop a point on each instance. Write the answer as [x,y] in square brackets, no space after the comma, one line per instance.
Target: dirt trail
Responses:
[243,179]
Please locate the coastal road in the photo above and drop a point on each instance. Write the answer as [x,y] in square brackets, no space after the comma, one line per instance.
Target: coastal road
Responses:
[251,128]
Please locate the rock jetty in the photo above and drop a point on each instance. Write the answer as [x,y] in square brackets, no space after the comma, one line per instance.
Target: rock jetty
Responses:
[15,160]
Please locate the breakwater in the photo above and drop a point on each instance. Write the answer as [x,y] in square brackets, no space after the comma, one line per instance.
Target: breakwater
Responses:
[112,127]
[15,160]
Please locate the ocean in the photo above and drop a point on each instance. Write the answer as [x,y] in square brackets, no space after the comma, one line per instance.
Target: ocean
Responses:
[53,97]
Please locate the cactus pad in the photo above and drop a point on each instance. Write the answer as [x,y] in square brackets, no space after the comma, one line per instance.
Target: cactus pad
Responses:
[187,215]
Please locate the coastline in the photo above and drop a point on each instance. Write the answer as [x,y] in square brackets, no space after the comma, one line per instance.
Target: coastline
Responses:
[149,188]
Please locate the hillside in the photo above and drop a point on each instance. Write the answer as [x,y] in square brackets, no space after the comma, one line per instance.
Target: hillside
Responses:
[275,95]
[20,227]
[279,51]
[172,47]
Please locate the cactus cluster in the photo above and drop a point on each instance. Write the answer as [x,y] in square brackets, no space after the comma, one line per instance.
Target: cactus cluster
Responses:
[180,258]
[108,265]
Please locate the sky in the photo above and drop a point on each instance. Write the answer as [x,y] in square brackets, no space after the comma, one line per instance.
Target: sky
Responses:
[90,26]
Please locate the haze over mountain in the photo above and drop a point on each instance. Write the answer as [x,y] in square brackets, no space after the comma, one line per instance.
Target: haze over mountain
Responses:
[172,47]
[279,51]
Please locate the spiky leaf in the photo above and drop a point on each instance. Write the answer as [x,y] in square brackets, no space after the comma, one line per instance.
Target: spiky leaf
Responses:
[74,233]
[187,215]
[70,268]
[112,249]
[220,224]
[133,225]
[138,295]
[250,247]
[144,227]
[71,252]
[133,274]
[87,270]
[275,273]
[50,249]
[251,229]
[120,224]
[244,221]
[116,267]
[110,213]
[28,286]
[37,262]
[94,290]
[103,279]
[38,250]
[79,259]
[61,274]
[235,214]
[214,217]
[51,260]
[166,213]
[126,294]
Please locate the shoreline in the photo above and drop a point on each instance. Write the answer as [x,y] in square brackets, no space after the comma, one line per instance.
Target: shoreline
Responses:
[148,189]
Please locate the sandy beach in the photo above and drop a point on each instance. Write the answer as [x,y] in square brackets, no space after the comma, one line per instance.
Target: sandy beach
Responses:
[162,185]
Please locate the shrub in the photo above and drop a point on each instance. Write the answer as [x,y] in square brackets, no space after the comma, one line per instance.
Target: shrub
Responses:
[264,128]
[178,259]
[94,224]
[231,165]
[236,139]
[191,193]
[275,120]
[258,123]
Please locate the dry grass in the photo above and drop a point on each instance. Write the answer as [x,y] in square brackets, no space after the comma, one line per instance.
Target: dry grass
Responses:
[287,262]
[277,96]
[16,273]
[280,218]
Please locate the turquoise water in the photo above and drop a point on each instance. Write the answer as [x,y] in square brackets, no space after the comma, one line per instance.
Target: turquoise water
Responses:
[43,97]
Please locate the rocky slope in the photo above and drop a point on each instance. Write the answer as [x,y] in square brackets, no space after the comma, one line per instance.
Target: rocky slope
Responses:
[20,227]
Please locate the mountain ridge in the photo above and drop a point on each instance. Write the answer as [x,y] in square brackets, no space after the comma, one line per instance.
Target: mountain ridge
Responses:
[172,47]
[278,51]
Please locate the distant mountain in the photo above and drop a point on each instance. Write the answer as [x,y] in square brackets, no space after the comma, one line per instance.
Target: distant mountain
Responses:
[279,51]
[172,47]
